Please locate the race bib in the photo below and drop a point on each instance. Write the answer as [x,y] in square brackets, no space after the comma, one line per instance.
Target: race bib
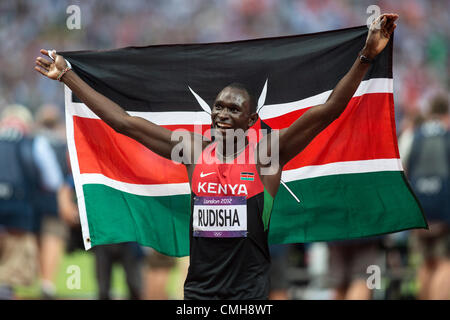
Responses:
[220,217]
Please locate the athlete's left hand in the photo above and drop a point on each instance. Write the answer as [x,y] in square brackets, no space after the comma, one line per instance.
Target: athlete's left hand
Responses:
[380,32]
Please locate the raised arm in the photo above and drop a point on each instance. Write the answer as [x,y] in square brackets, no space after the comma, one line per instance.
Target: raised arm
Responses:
[154,137]
[297,136]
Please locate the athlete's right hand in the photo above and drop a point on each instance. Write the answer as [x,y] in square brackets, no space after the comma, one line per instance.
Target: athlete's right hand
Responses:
[50,69]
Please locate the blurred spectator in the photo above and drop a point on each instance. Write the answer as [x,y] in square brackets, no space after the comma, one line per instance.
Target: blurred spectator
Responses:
[68,211]
[53,231]
[406,138]
[27,167]
[348,263]
[129,255]
[279,282]
[429,171]
[50,123]
[156,272]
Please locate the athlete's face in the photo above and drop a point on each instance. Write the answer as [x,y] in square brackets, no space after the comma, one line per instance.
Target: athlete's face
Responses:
[231,110]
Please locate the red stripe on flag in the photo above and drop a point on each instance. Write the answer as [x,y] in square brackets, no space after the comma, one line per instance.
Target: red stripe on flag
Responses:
[101,150]
[364,131]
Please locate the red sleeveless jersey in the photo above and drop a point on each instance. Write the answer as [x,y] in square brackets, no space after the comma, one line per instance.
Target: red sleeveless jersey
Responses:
[229,224]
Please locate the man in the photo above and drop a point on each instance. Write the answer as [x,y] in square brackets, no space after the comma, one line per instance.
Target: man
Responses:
[128,255]
[53,231]
[157,271]
[233,263]
[348,263]
[428,165]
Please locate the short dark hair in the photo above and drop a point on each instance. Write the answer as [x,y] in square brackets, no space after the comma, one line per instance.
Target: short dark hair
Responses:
[439,105]
[240,86]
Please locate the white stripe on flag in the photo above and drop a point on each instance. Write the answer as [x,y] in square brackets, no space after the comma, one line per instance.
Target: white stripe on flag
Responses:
[379,85]
[150,190]
[154,190]
[75,167]
[345,167]
[159,118]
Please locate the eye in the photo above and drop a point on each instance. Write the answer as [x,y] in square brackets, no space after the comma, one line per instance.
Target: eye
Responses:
[234,110]
[218,107]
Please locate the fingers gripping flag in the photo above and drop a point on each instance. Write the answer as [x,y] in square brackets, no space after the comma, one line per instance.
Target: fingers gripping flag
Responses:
[347,183]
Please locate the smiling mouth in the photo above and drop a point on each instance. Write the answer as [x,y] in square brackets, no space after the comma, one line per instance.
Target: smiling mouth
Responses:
[223,125]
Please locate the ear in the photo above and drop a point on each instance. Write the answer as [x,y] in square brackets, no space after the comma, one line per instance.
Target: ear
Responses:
[252,119]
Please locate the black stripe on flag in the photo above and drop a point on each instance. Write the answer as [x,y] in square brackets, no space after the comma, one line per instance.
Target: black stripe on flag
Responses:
[156,78]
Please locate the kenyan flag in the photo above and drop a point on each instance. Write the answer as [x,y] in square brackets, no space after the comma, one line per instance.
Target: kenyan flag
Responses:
[347,183]
[249,176]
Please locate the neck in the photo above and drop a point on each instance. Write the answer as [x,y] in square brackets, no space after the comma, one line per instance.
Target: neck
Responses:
[230,149]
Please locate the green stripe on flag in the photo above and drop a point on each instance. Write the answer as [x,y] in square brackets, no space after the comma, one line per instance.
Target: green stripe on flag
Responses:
[343,207]
[158,222]
[333,207]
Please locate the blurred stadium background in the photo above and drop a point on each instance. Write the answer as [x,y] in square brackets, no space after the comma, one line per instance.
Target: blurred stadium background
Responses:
[421,71]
